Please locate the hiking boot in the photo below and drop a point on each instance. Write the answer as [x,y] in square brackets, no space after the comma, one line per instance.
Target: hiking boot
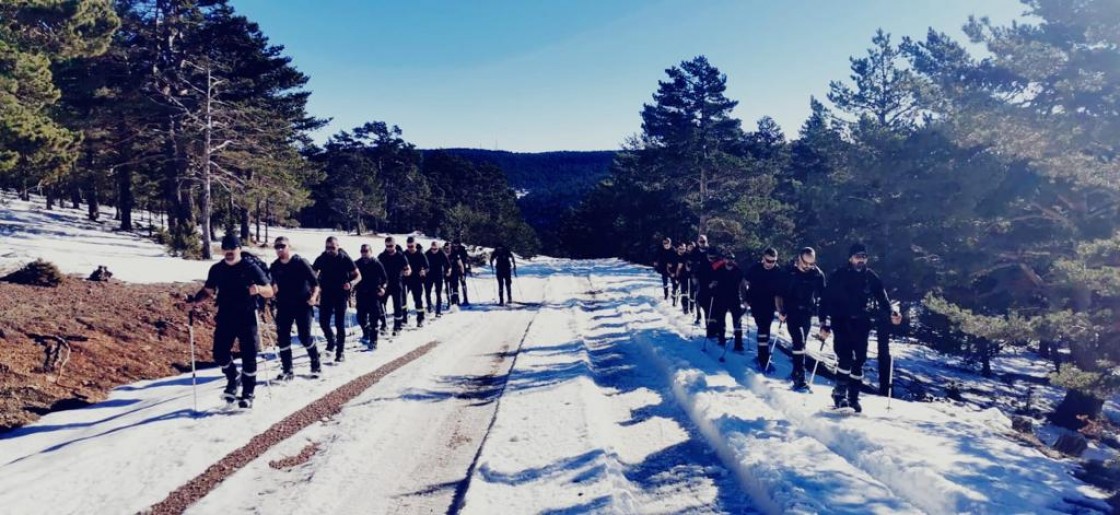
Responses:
[285,376]
[245,403]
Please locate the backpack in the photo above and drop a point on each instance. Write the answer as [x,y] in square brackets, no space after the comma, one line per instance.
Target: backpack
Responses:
[252,259]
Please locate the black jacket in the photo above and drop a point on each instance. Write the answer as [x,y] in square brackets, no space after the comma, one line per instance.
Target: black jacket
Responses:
[439,264]
[763,285]
[804,292]
[855,294]
[394,266]
[665,260]
[728,282]
[417,262]
[373,277]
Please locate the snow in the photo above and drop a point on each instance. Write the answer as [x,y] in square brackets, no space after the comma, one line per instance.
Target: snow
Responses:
[589,395]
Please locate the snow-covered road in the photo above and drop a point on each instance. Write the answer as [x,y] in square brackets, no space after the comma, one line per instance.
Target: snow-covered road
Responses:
[590,395]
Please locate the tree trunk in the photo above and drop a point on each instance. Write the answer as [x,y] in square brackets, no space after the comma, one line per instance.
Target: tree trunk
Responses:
[1076,404]
[124,196]
[76,195]
[267,218]
[258,220]
[94,204]
[50,198]
[207,223]
[244,223]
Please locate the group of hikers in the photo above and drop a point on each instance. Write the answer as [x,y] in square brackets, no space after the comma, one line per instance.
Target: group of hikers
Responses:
[293,287]
[709,283]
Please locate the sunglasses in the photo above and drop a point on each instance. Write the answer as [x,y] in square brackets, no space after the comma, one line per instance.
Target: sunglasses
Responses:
[279,246]
[332,248]
[861,255]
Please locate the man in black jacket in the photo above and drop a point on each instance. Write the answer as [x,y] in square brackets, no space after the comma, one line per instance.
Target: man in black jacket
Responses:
[439,269]
[297,290]
[396,268]
[504,267]
[700,264]
[763,287]
[337,277]
[726,289]
[236,283]
[459,252]
[854,295]
[664,261]
[368,295]
[682,274]
[801,298]
[414,281]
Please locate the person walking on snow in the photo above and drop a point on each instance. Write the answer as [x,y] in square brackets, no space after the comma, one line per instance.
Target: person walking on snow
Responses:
[700,264]
[439,269]
[368,295]
[396,268]
[727,288]
[506,267]
[763,287]
[236,283]
[459,252]
[414,281]
[297,291]
[337,277]
[682,274]
[664,261]
[853,297]
[800,299]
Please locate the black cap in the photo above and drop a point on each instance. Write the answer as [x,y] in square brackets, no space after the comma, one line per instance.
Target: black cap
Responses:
[857,248]
[230,242]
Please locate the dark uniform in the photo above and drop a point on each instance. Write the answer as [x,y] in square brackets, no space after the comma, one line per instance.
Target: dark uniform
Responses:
[700,279]
[368,296]
[394,265]
[415,283]
[502,261]
[682,274]
[852,299]
[458,274]
[439,266]
[727,282]
[236,320]
[295,282]
[459,252]
[762,287]
[801,299]
[335,271]
[664,262]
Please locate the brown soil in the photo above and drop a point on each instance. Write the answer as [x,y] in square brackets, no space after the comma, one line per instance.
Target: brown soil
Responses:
[118,333]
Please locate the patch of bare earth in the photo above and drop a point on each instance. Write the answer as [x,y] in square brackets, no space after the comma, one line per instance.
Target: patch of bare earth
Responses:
[66,347]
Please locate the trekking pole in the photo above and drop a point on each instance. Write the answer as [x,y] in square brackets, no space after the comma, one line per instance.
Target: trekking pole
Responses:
[817,359]
[194,374]
[890,385]
[707,322]
[267,365]
[773,343]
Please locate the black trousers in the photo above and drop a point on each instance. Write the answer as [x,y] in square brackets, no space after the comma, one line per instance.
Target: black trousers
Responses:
[505,278]
[800,324]
[850,344]
[415,287]
[463,283]
[453,289]
[665,279]
[300,315]
[434,282]
[333,309]
[242,328]
[395,293]
[719,321]
[369,312]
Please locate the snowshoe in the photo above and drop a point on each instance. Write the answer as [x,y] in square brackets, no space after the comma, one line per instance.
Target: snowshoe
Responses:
[800,386]
[854,404]
[316,373]
[285,376]
[245,403]
[839,401]
[228,398]
[340,358]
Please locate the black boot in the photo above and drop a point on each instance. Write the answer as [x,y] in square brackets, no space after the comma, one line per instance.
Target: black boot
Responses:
[419,318]
[840,394]
[739,340]
[853,398]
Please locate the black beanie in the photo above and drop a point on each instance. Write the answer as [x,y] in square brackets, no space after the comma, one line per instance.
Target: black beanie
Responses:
[857,248]
[230,242]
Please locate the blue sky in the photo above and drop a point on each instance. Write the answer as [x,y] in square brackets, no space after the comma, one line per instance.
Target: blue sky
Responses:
[536,75]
